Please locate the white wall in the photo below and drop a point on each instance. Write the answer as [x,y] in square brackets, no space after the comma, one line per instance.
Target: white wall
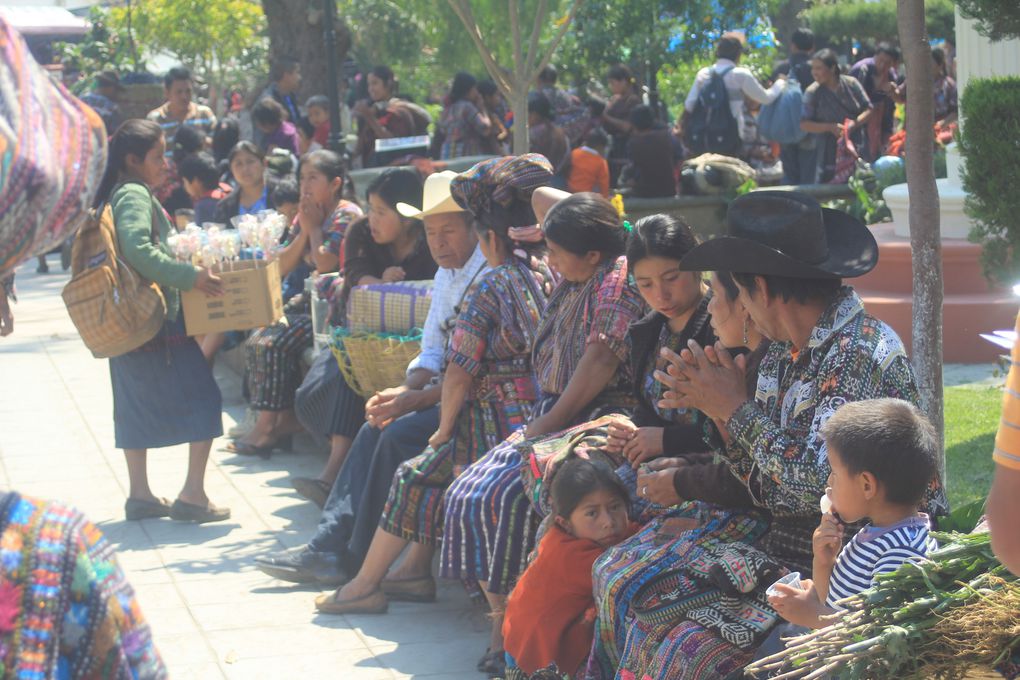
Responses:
[979,57]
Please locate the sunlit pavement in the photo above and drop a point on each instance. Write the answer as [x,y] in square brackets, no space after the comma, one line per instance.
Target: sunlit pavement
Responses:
[213,614]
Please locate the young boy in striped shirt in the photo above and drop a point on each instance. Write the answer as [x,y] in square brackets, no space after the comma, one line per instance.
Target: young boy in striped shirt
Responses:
[883,455]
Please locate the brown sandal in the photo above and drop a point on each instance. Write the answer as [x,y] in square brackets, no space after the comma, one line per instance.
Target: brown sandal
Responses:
[315,490]
[136,509]
[373,603]
[182,511]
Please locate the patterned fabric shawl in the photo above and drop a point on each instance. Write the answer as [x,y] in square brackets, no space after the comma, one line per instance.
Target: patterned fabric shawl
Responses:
[66,610]
[52,156]
[600,309]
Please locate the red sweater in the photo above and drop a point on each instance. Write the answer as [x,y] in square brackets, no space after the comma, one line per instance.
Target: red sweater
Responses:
[550,615]
[588,172]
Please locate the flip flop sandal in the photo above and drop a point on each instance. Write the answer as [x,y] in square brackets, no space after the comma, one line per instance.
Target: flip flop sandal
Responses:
[492,661]
[496,666]
[243,449]
[410,590]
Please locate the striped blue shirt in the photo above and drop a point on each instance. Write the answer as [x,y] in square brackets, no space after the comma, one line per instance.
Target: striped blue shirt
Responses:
[877,550]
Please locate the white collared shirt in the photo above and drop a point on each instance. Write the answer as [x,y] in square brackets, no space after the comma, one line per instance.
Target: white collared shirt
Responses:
[739,82]
[449,288]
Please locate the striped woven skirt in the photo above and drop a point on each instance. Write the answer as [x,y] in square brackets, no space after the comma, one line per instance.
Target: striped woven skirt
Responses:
[627,647]
[272,362]
[490,525]
[325,403]
[415,509]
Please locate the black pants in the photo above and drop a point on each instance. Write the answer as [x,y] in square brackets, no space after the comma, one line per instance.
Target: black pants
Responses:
[359,494]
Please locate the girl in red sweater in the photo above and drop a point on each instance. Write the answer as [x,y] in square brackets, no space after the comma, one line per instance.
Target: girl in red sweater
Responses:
[550,614]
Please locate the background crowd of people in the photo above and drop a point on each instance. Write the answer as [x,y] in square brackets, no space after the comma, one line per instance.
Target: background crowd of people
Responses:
[849,106]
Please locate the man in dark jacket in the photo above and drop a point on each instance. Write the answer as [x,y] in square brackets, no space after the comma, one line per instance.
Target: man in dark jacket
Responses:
[798,158]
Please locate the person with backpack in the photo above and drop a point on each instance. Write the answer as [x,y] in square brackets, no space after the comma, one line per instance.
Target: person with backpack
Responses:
[164,393]
[798,65]
[381,116]
[713,111]
[798,157]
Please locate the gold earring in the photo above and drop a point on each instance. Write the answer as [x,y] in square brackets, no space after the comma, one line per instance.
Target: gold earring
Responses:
[745,331]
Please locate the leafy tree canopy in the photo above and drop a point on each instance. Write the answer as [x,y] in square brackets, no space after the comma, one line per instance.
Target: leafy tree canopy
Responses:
[213,37]
[997,19]
[861,21]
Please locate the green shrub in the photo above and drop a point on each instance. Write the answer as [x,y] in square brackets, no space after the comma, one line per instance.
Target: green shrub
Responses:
[997,19]
[990,145]
[867,204]
[845,22]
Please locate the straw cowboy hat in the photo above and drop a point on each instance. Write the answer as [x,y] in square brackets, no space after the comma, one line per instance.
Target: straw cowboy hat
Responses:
[787,233]
[436,197]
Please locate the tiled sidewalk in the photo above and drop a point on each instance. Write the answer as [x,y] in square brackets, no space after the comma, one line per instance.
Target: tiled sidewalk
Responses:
[213,614]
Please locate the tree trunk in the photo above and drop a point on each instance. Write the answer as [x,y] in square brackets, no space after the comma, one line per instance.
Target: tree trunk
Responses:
[786,20]
[295,31]
[925,239]
[527,64]
[519,102]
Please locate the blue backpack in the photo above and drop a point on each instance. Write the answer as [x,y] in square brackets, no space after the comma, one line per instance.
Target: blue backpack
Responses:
[780,120]
[711,127]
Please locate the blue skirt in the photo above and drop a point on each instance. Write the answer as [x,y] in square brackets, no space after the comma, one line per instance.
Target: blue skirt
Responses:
[164,393]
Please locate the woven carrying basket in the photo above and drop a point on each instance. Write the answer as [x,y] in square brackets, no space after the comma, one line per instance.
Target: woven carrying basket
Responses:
[371,362]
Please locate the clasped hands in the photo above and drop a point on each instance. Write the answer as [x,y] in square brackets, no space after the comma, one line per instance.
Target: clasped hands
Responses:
[707,379]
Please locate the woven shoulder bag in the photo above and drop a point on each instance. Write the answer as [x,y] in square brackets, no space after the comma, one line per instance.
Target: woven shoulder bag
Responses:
[114,309]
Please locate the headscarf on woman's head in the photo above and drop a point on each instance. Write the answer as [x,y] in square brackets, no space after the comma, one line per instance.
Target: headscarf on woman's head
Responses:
[501,187]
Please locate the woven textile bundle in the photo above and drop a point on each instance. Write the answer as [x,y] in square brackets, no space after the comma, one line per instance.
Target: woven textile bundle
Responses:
[395,308]
[52,156]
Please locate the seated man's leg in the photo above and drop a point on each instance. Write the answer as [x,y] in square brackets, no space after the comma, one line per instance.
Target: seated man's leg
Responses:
[404,439]
[317,561]
[355,502]
[334,528]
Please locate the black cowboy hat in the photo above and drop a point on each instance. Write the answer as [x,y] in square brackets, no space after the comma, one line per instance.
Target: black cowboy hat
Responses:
[787,233]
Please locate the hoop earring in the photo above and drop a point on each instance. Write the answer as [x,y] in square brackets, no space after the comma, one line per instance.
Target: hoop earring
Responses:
[745,331]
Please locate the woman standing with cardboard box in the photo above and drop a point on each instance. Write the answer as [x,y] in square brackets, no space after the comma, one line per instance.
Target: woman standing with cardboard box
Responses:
[163,392]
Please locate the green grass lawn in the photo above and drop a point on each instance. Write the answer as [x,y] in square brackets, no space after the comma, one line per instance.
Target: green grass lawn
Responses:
[972,417]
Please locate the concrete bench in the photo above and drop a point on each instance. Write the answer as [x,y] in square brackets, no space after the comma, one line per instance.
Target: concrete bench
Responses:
[707,214]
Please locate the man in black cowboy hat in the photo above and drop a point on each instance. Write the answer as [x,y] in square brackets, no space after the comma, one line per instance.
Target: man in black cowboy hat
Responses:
[788,256]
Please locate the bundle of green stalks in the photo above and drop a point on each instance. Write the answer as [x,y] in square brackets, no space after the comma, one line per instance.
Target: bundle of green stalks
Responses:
[957,612]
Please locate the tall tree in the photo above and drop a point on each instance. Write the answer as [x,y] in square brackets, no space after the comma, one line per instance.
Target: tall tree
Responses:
[514,83]
[295,30]
[925,239]
[211,37]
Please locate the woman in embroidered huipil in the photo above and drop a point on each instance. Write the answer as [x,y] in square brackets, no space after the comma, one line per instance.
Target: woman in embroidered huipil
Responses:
[580,362]
[488,385]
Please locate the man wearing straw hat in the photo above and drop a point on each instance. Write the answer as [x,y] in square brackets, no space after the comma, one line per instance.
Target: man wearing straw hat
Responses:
[401,419]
